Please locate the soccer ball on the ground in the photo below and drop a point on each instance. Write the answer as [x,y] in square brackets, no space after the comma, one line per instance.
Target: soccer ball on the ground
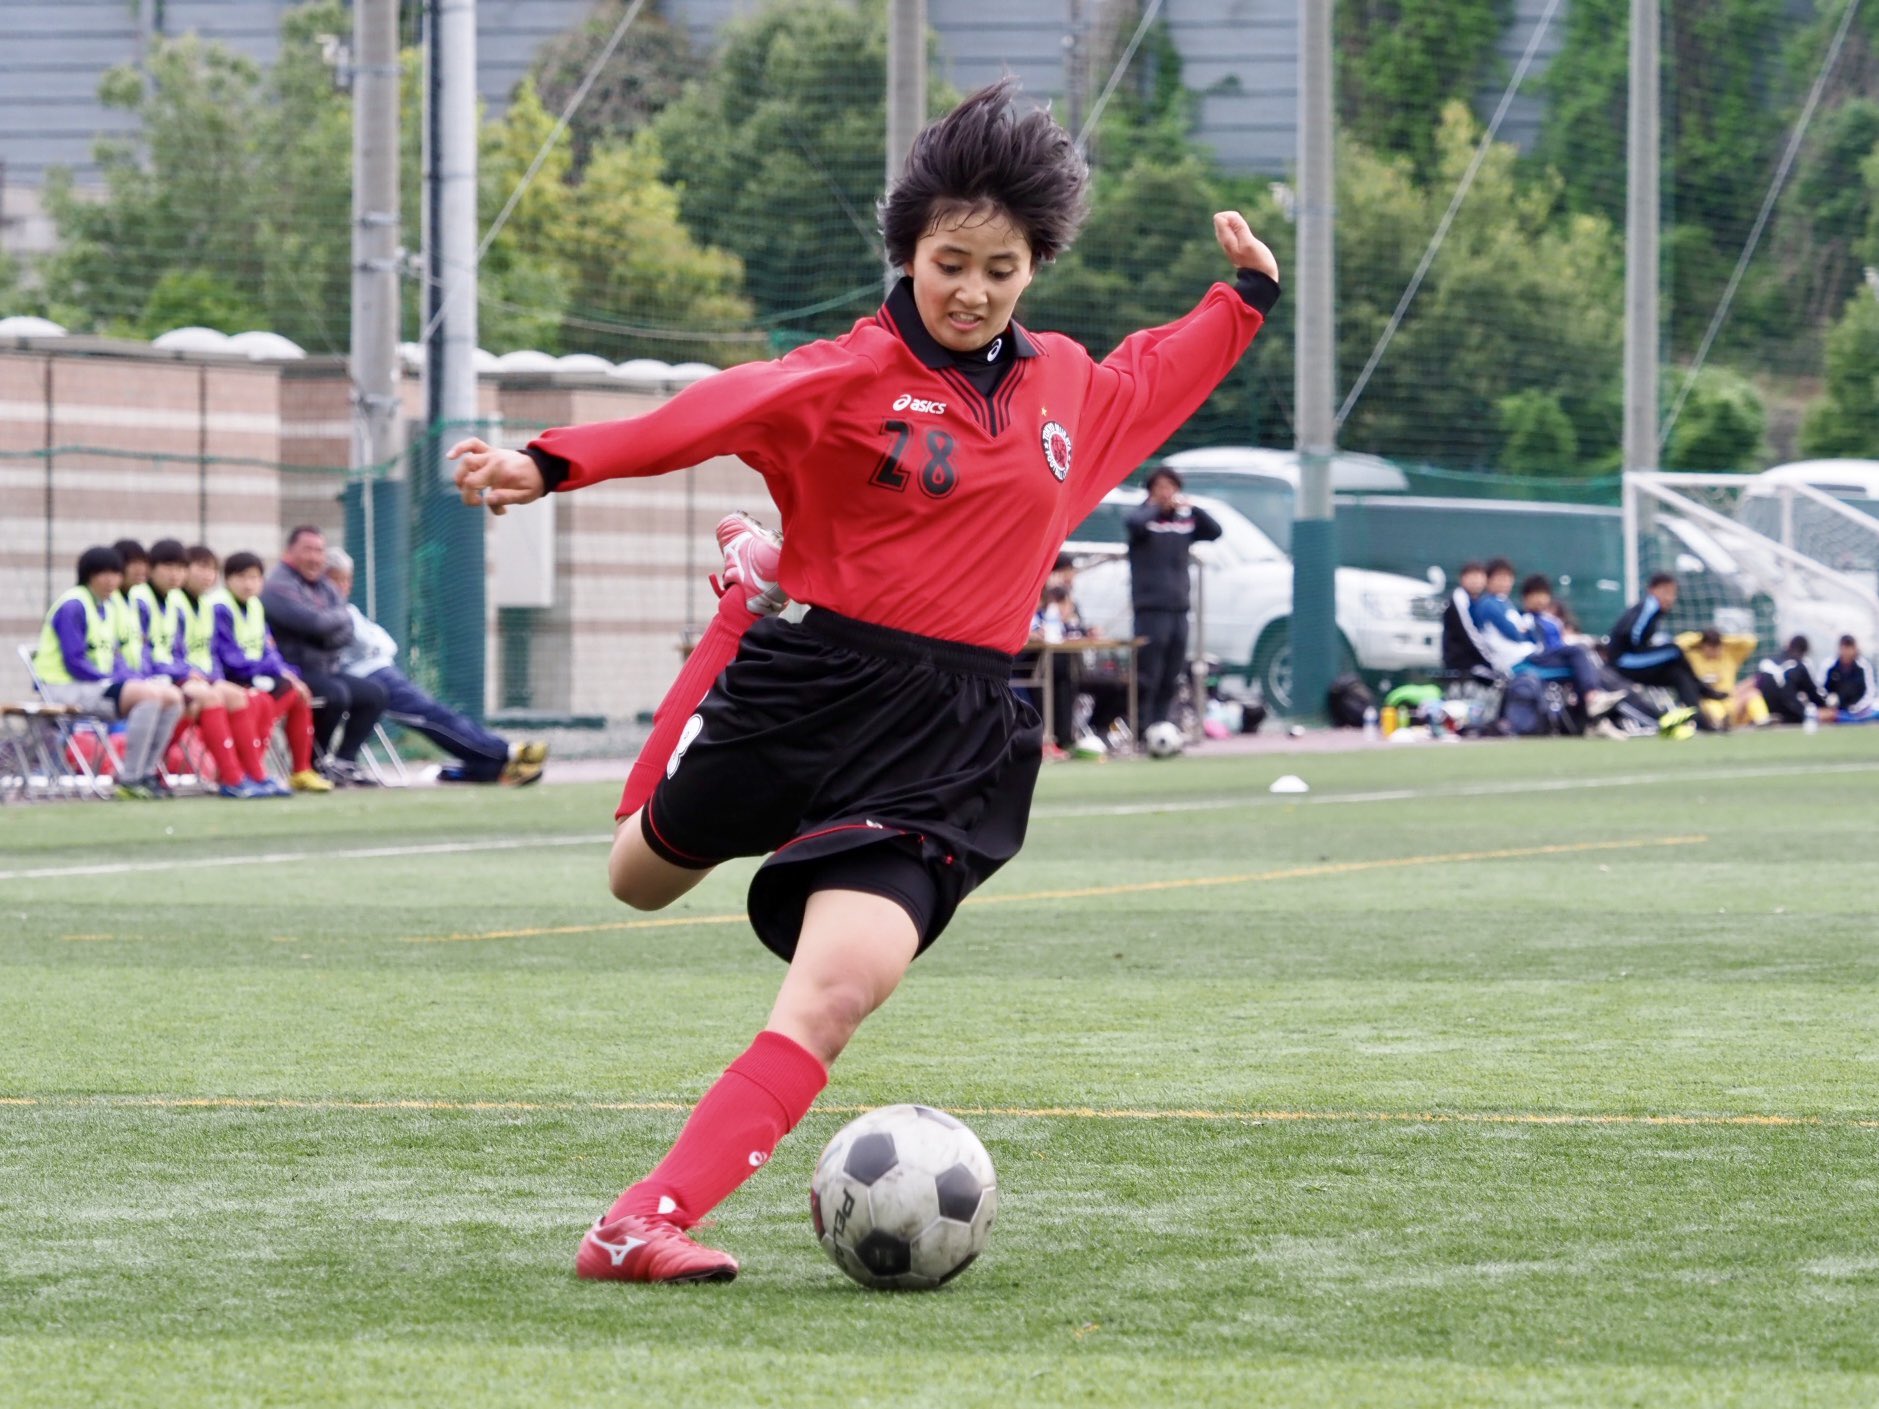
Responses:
[1163,740]
[903,1197]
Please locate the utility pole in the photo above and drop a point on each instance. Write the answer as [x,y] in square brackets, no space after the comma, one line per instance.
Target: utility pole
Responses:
[377,426]
[1314,545]
[1642,145]
[451,597]
[906,87]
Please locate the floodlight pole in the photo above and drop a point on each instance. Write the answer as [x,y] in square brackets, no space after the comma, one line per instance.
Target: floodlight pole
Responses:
[1641,272]
[906,87]
[377,426]
[1314,544]
[451,595]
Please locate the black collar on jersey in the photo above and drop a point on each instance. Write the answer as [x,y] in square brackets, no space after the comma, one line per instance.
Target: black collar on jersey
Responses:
[904,317]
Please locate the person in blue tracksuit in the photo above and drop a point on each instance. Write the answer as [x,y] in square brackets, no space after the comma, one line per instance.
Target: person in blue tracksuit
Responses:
[1644,649]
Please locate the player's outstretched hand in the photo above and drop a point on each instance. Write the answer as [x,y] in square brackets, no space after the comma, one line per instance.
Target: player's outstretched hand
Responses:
[1243,247]
[495,478]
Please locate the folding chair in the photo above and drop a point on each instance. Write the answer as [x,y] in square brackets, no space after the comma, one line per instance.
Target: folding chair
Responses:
[68,725]
[391,772]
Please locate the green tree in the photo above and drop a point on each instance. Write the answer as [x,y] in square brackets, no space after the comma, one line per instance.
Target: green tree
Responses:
[1539,438]
[1522,296]
[1399,62]
[645,75]
[601,263]
[1722,425]
[191,203]
[779,152]
[1845,420]
[1721,61]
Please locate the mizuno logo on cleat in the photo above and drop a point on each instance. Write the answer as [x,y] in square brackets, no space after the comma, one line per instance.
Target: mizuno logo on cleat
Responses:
[617,1252]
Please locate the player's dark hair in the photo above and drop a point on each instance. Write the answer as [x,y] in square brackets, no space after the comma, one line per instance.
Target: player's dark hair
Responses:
[1662,579]
[201,553]
[131,551]
[986,153]
[167,550]
[1162,472]
[240,562]
[302,530]
[97,559]
[1849,641]
[1496,566]
[1472,565]
[1797,645]
[1539,582]
[1711,636]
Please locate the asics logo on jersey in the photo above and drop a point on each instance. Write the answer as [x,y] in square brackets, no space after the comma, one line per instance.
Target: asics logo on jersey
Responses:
[907,401]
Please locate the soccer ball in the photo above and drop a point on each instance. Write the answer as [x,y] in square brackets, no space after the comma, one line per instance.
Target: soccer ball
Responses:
[903,1198]
[1163,740]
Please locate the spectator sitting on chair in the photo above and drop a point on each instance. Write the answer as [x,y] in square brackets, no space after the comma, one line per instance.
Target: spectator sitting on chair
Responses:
[1161,531]
[1461,648]
[130,641]
[1849,685]
[1716,658]
[310,620]
[371,655]
[246,651]
[1641,652]
[78,663]
[1509,638]
[1786,683]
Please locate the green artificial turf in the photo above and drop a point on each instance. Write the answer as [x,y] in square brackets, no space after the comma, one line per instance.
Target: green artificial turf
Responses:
[1532,1074]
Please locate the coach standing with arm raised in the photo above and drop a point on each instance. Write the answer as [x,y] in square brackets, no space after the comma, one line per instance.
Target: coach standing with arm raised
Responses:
[311,625]
[1160,533]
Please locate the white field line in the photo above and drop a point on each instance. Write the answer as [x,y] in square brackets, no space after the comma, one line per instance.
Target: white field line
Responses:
[1458,790]
[263,858]
[1041,814]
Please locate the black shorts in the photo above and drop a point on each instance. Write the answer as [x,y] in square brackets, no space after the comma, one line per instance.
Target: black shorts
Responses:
[856,758]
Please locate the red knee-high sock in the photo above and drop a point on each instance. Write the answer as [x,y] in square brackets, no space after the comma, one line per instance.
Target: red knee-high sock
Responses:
[249,728]
[212,724]
[731,1134]
[706,662]
[299,716]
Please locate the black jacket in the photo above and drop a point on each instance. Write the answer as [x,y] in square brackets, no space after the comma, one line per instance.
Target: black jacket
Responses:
[1158,543]
[1459,651]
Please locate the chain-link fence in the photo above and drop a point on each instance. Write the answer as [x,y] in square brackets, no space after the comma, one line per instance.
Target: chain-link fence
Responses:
[680,186]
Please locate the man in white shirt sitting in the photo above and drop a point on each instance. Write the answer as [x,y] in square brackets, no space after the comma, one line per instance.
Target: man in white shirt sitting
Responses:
[372,655]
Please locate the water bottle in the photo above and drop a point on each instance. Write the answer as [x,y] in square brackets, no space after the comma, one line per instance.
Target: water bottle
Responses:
[1372,731]
[1810,719]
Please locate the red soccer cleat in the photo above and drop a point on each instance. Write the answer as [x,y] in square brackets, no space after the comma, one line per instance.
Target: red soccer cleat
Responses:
[636,1248]
[751,555]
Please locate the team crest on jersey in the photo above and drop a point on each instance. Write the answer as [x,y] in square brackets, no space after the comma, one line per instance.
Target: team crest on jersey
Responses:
[1057,449]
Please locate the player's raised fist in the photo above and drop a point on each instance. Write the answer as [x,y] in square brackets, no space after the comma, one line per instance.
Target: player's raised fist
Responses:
[494,478]
[1242,246]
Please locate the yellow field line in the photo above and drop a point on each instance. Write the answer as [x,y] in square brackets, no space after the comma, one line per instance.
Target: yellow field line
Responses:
[1019,1112]
[1289,873]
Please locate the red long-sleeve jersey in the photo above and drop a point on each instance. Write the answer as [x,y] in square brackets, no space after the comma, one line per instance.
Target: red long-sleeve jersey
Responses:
[908,498]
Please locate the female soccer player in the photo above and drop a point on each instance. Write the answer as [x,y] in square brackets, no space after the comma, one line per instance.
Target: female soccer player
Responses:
[927,465]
